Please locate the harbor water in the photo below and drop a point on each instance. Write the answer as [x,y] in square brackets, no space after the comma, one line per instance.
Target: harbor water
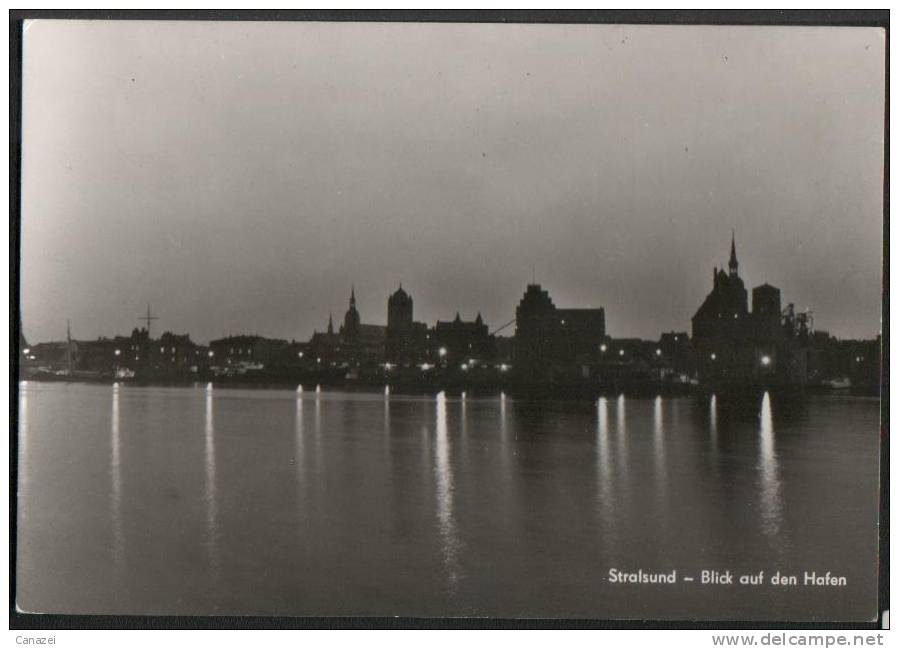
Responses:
[201,500]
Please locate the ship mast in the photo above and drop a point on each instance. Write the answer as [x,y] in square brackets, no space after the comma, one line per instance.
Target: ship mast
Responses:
[69,346]
[149,318]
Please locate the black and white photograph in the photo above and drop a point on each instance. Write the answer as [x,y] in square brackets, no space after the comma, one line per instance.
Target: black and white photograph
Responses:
[449,319]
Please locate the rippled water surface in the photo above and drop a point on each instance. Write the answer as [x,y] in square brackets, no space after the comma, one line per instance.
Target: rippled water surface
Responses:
[193,500]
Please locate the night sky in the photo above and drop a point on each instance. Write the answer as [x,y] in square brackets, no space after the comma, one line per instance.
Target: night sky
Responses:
[241,177]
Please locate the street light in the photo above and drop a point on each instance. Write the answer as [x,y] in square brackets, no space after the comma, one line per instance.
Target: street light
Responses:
[713,357]
[766,360]
[658,352]
[441,352]
[603,347]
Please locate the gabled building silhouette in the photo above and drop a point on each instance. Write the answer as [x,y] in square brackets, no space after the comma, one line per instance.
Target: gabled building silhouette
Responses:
[550,341]
[460,341]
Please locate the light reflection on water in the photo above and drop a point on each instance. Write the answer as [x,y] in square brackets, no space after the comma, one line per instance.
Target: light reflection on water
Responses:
[713,423]
[503,419]
[472,493]
[658,439]
[505,447]
[23,465]
[299,454]
[23,435]
[444,474]
[387,420]
[318,432]
[115,474]
[211,505]
[769,474]
[464,419]
[621,426]
[604,472]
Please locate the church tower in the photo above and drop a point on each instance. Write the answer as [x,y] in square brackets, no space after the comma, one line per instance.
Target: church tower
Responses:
[351,319]
[399,311]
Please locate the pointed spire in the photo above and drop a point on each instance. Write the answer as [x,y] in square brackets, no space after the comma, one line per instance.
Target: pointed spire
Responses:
[68,330]
[479,320]
[352,296]
[330,323]
[458,318]
[733,265]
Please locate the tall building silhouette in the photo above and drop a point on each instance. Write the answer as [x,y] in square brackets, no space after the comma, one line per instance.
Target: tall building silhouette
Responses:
[551,341]
[360,343]
[399,311]
[407,341]
[734,346]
